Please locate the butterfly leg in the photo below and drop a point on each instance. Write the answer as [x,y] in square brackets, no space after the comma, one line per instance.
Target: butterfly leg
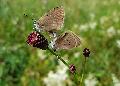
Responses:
[52,43]
[53,34]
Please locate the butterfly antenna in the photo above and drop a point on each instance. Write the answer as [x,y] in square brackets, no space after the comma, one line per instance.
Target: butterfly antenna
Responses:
[28,16]
[35,25]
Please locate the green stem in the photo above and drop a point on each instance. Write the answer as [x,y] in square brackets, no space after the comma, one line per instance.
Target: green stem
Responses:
[83,72]
[58,56]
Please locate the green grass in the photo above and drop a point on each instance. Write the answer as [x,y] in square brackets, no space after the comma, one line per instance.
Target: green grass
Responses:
[18,60]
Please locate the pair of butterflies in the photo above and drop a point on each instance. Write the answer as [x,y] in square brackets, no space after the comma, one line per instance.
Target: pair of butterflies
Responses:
[53,21]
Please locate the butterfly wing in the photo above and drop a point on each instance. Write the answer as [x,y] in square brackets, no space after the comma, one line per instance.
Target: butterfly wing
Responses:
[78,41]
[53,20]
[67,41]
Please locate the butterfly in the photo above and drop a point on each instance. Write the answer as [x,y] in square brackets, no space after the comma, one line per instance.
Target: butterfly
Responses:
[52,21]
[66,41]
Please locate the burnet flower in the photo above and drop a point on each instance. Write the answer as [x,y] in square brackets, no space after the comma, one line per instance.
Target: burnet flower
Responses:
[86,52]
[36,39]
[72,68]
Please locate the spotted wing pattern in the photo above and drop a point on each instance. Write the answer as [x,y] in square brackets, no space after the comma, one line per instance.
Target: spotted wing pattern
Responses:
[67,41]
[53,20]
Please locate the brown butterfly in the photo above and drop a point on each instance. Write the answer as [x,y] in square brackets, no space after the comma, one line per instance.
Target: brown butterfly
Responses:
[66,41]
[51,21]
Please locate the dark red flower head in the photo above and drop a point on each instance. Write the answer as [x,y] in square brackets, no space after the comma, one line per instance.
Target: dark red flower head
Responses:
[72,68]
[36,39]
[86,52]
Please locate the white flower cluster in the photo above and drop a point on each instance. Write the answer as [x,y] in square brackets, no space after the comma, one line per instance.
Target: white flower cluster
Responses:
[111,31]
[118,43]
[91,80]
[58,78]
[115,80]
[41,54]
[86,26]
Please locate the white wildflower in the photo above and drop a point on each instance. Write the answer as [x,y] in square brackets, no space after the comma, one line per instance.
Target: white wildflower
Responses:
[116,82]
[92,16]
[44,1]
[84,27]
[103,19]
[75,25]
[115,17]
[41,54]
[118,43]
[91,80]
[118,31]
[111,31]
[77,54]
[92,25]
[57,78]
[105,3]
[115,13]
[119,2]
[15,20]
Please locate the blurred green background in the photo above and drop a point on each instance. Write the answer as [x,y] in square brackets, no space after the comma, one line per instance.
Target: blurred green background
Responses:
[97,22]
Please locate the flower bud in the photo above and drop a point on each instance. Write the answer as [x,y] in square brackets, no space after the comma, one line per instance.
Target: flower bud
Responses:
[86,52]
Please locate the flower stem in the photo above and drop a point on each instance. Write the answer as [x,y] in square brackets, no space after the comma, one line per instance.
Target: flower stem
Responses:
[83,72]
[58,56]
